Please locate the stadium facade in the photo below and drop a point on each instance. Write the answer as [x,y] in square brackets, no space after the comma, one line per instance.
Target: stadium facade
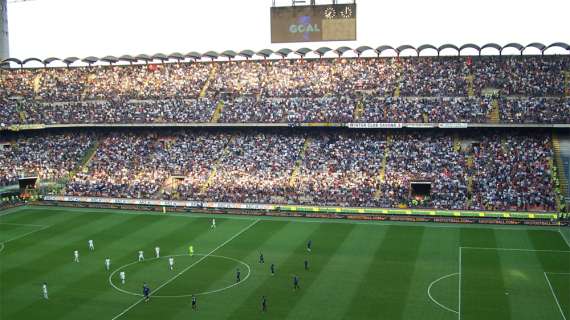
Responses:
[4,36]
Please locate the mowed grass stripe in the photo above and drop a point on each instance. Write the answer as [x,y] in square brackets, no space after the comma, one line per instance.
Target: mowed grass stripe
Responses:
[59,271]
[204,243]
[385,286]
[325,238]
[437,257]
[276,249]
[165,234]
[245,248]
[482,283]
[341,276]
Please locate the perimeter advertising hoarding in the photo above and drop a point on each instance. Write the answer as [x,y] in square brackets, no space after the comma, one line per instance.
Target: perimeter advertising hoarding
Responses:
[313,23]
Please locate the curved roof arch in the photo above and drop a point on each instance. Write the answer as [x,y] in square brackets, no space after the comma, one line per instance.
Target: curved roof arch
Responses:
[383,48]
[176,56]
[284,52]
[492,46]
[322,50]
[562,45]
[159,56]
[193,55]
[70,60]
[265,53]
[12,60]
[210,54]
[230,54]
[404,47]
[90,59]
[127,58]
[360,50]
[448,46]
[470,46]
[110,59]
[25,61]
[248,54]
[513,45]
[143,57]
[302,51]
[426,47]
[50,60]
[536,45]
[341,50]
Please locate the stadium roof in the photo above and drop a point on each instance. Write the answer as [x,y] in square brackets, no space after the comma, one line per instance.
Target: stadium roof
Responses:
[285,52]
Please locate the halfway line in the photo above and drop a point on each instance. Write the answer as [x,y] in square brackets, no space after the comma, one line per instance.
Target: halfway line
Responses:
[186,269]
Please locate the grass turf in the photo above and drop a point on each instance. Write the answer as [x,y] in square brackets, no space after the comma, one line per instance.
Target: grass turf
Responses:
[357,270]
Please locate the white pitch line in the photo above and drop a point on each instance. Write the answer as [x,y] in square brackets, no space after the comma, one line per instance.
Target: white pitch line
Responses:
[21,236]
[22,224]
[187,268]
[515,249]
[564,237]
[435,301]
[554,295]
[459,294]
[26,234]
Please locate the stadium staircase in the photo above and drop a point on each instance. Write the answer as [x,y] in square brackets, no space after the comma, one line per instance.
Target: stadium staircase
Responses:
[560,165]
[358,110]
[37,83]
[567,83]
[470,164]
[470,86]
[494,114]
[208,81]
[214,170]
[297,168]
[218,112]
[399,83]
[382,173]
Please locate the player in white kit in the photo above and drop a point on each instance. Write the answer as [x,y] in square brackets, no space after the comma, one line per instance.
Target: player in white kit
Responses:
[44,290]
[76,256]
[141,256]
[107,264]
[122,276]
[213,224]
[91,245]
[171,263]
[157,251]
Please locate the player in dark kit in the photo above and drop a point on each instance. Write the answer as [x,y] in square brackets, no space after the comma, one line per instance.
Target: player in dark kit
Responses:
[309,244]
[263,304]
[261,260]
[306,264]
[296,283]
[272,269]
[194,303]
[146,292]
[238,275]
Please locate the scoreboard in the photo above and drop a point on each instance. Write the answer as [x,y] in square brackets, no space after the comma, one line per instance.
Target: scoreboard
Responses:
[313,23]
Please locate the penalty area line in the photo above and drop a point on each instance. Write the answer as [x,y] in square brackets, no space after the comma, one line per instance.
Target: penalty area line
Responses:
[186,269]
[554,295]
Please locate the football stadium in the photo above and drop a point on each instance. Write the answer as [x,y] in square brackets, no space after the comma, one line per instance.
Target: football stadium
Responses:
[319,178]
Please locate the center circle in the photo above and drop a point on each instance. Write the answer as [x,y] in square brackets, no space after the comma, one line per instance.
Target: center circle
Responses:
[204,257]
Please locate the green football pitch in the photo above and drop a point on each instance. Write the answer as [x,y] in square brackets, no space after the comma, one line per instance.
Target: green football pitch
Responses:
[357,270]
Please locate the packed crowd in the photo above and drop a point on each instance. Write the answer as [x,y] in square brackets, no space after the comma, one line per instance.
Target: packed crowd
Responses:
[338,109]
[50,157]
[138,165]
[155,81]
[99,111]
[513,173]
[521,76]
[535,110]
[287,90]
[425,159]
[430,110]
[507,172]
